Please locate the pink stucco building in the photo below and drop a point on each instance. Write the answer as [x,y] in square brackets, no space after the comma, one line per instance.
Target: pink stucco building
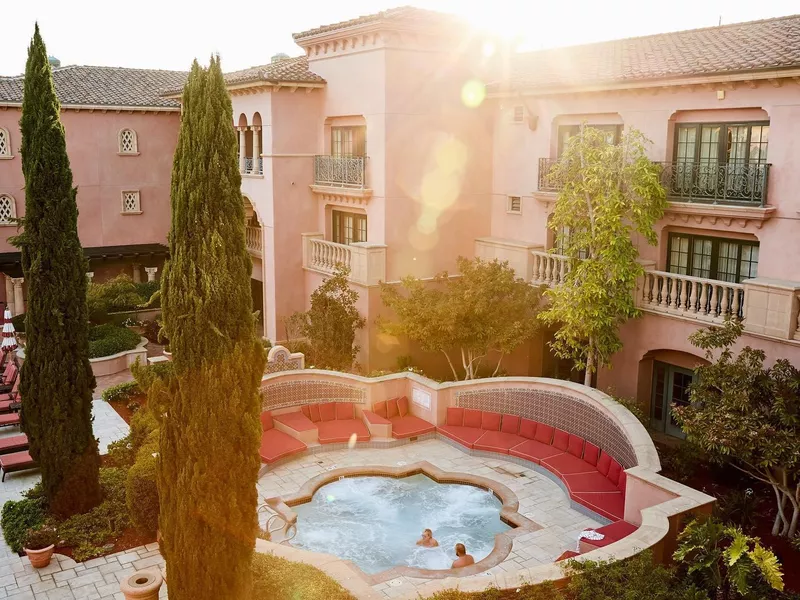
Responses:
[377,148]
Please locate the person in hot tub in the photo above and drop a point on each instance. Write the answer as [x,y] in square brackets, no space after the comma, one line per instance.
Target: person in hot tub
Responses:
[462,558]
[427,540]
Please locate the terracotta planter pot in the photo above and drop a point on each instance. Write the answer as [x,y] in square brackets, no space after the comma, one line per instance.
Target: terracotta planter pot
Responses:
[142,585]
[40,558]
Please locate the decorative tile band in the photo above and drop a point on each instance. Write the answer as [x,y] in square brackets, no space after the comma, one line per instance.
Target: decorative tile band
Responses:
[307,391]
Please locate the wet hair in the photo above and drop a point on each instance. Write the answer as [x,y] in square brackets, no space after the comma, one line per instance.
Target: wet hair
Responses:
[428,531]
[461,550]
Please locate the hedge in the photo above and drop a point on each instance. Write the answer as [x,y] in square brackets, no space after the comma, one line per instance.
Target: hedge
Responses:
[18,517]
[108,339]
[122,391]
[141,489]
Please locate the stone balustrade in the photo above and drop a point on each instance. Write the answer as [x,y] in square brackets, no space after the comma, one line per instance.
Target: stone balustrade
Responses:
[698,298]
[548,269]
[367,261]
[254,239]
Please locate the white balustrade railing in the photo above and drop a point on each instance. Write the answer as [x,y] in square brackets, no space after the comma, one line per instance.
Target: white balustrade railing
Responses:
[255,243]
[324,256]
[367,261]
[694,297]
[549,269]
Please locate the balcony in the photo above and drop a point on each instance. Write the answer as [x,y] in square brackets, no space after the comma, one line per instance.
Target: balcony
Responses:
[249,165]
[367,262]
[340,171]
[707,300]
[254,240]
[548,269]
[732,184]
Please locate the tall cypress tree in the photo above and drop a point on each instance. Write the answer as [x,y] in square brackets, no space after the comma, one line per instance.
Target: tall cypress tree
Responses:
[210,429]
[57,380]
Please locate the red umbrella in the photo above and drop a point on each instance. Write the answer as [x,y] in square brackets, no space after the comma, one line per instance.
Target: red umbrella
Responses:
[9,339]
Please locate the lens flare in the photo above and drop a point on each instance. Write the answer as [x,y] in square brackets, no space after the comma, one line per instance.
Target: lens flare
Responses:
[489,49]
[351,443]
[330,497]
[473,93]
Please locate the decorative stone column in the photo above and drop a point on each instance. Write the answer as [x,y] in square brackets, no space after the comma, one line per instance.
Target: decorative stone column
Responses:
[151,273]
[242,149]
[19,299]
[256,153]
[137,273]
[10,295]
[142,585]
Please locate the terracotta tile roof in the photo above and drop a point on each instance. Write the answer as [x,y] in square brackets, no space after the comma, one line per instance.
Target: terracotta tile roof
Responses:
[291,70]
[103,86]
[735,48]
[392,14]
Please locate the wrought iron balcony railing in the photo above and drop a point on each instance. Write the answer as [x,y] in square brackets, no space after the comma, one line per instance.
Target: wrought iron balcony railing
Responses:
[705,182]
[340,171]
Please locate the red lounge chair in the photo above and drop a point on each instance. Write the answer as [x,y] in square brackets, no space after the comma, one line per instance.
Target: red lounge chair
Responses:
[15,443]
[9,378]
[18,461]
[9,420]
[276,444]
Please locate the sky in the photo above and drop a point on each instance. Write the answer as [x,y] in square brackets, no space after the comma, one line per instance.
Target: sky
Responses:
[169,34]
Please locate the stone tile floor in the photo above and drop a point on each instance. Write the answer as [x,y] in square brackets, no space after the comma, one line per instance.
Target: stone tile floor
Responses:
[541,500]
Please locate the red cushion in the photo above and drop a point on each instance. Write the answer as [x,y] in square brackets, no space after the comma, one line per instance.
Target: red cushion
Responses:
[561,440]
[544,433]
[10,419]
[266,421]
[391,409]
[345,410]
[410,426]
[375,419]
[527,428]
[306,410]
[455,416]
[327,411]
[296,420]
[575,446]
[591,453]
[510,424]
[490,421]
[15,442]
[9,375]
[316,415]
[277,444]
[533,451]
[588,482]
[402,406]
[331,432]
[466,436]
[612,533]
[497,441]
[472,418]
[566,463]
[567,554]
[17,459]
[379,408]
[603,464]
[623,479]
[610,505]
[613,472]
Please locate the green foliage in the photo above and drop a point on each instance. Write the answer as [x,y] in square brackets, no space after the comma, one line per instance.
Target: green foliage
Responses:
[18,517]
[120,453]
[209,409]
[40,538]
[147,375]
[485,309]
[108,339]
[120,294]
[632,405]
[610,193]
[276,578]
[121,392]
[682,461]
[57,380]
[141,489]
[635,578]
[152,330]
[331,323]
[748,414]
[144,426]
[542,591]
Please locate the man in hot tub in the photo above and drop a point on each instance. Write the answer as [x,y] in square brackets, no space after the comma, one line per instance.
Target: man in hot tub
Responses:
[427,540]
[462,558]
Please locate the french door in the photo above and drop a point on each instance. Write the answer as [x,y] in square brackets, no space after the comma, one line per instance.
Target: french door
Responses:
[670,386]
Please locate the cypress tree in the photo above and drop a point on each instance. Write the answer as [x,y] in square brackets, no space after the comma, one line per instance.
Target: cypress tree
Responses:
[57,380]
[210,428]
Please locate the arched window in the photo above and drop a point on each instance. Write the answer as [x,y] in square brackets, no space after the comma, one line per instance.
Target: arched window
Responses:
[5,143]
[128,144]
[8,209]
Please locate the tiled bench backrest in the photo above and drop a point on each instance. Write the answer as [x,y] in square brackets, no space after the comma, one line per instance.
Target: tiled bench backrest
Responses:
[296,393]
[559,410]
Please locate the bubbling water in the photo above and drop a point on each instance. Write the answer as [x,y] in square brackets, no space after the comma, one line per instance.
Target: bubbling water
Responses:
[376,521]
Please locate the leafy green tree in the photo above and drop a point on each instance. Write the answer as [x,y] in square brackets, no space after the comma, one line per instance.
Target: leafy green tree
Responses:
[486,308]
[57,380]
[749,415]
[610,193]
[330,325]
[209,407]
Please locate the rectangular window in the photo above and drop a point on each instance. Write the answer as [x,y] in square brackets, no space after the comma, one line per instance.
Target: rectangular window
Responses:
[348,141]
[712,258]
[131,203]
[421,398]
[519,114]
[563,236]
[348,227]
[514,205]
[565,132]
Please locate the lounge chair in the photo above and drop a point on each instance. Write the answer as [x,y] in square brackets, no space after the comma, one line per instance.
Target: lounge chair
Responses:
[15,443]
[9,378]
[10,419]
[11,399]
[17,461]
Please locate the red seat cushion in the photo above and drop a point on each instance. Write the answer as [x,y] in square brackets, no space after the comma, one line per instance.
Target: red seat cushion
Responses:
[402,406]
[613,472]
[17,459]
[497,441]
[588,482]
[533,451]
[591,454]
[510,424]
[612,533]
[527,428]
[345,411]
[316,416]
[623,480]
[544,433]
[567,554]
[490,421]
[11,419]
[567,464]
[575,446]
[266,421]
[561,440]
[410,426]
[610,505]
[604,463]
[277,444]
[327,411]
[391,409]
[331,432]
[295,420]
[455,416]
[379,408]
[473,418]
[466,436]
[15,442]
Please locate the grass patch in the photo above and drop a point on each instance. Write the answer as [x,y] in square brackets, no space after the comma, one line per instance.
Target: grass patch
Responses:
[276,578]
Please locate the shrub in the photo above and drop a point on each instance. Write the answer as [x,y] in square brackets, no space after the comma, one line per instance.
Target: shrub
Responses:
[121,392]
[635,578]
[38,539]
[146,375]
[18,517]
[151,329]
[143,425]
[141,490]
[681,462]
[276,578]
[108,339]
[120,453]
[632,405]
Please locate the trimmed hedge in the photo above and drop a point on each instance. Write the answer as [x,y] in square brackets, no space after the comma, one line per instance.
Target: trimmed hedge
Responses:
[276,578]
[18,517]
[108,339]
[122,391]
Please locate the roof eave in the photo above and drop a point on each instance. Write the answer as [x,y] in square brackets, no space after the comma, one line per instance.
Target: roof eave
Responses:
[106,107]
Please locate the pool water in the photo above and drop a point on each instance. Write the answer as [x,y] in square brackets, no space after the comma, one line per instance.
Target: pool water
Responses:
[376,521]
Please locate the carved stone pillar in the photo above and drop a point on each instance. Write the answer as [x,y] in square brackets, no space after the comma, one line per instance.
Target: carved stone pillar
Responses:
[242,149]
[256,153]
[151,273]
[137,273]
[19,299]
[10,295]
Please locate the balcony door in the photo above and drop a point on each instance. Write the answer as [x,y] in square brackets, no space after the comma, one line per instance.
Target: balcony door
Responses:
[349,141]
[348,227]
[670,386]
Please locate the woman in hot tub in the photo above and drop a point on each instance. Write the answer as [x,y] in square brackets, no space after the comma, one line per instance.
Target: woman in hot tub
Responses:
[427,540]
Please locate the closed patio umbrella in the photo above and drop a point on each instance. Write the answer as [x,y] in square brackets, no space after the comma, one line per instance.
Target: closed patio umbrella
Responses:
[9,343]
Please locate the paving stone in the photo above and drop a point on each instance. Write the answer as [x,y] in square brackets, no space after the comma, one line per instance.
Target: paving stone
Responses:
[150,561]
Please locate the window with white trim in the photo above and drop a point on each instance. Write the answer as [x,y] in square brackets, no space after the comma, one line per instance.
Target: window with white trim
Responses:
[131,203]
[514,205]
[421,398]
[128,142]
[5,143]
[8,209]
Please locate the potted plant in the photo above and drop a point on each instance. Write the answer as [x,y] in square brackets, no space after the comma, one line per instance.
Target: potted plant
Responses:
[39,545]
